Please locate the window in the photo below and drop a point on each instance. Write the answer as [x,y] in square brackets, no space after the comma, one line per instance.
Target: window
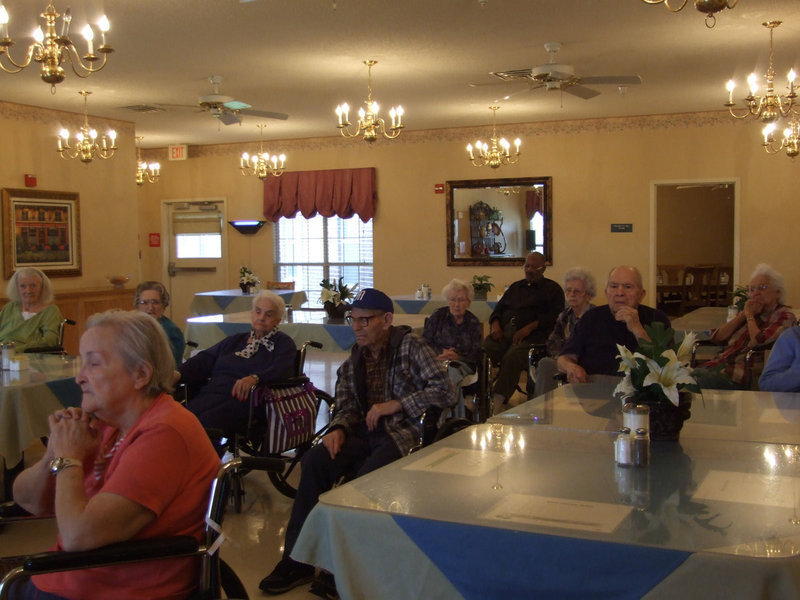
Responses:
[198,233]
[310,250]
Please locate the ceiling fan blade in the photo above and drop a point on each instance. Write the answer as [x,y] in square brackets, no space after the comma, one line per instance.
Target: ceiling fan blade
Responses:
[613,79]
[236,105]
[229,118]
[267,114]
[581,91]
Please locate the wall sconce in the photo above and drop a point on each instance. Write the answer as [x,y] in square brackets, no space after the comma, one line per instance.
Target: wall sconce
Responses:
[247,227]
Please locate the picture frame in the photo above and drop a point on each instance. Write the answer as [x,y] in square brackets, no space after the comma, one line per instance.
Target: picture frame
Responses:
[41,229]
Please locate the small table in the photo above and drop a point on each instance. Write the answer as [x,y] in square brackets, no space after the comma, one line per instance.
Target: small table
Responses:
[233,301]
[716,415]
[702,320]
[305,325]
[28,397]
[497,511]
[410,304]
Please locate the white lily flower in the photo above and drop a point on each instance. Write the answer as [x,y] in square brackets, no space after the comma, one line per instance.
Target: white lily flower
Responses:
[625,387]
[668,376]
[626,359]
[685,349]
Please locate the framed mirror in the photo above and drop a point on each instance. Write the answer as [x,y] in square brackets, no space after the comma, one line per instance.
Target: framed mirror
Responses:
[499,221]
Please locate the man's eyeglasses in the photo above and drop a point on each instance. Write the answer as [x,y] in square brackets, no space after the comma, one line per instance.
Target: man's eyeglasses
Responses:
[360,321]
[150,302]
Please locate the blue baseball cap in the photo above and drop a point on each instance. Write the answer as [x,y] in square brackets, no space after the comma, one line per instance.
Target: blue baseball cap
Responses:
[372,299]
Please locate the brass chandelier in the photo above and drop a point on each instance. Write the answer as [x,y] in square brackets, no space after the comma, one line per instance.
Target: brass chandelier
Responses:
[495,153]
[770,106]
[790,141]
[145,172]
[369,123]
[262,165]
[51,49]
[705,6]
[88,145]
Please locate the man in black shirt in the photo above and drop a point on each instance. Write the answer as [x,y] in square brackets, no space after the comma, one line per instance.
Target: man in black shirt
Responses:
[525,315]
[592,347]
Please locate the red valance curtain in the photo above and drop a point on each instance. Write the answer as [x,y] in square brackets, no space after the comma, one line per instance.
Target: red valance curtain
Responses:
[340,192]
[533,202]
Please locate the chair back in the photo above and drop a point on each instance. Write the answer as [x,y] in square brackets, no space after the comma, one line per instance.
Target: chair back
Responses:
[279,285]
[699,286]
[671,274]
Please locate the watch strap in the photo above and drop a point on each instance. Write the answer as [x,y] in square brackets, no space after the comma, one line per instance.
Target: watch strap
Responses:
[59,464]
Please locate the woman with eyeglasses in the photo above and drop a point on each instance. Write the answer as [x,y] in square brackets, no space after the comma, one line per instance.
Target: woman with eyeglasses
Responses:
[152,298]
[226,371]
[764,318]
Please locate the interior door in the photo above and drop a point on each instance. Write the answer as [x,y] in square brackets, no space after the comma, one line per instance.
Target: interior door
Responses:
[195,254]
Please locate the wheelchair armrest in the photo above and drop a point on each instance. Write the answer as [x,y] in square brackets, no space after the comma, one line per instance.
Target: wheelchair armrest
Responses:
[698,344]
[122,552]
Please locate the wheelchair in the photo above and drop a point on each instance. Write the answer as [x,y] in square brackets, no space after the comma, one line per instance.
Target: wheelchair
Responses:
[216,576]
[254,440]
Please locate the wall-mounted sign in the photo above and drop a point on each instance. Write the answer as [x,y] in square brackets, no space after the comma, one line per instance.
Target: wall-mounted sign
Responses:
[438,188]
[622,228]
[178,151]
[155,240]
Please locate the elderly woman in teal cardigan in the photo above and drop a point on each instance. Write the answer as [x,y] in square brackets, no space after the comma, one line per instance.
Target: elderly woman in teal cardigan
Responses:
[30,319]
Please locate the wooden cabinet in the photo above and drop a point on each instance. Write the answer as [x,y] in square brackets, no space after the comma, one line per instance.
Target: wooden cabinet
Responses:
[79,305]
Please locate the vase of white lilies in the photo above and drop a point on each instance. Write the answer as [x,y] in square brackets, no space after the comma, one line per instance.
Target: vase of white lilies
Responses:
[658,375]
[334,296]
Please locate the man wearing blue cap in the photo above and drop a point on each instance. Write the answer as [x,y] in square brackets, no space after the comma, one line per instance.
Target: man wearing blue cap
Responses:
[390,378]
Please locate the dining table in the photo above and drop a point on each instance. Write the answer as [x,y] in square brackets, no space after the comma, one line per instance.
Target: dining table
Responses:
[702,321]
[411,304]
[305,325]
[499,511]
[29,396]
[233,301]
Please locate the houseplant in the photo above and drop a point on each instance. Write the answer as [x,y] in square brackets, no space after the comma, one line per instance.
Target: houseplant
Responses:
[657,374]
[481,285]
[334,297]
[740,296]
[247,280]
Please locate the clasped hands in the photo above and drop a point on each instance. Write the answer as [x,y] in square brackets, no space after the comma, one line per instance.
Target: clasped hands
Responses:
[333,440]
[74,433]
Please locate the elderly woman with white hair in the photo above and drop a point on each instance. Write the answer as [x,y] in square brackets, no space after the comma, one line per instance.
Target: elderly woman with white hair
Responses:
[30,319]
[764,318]
[228,370]
[130,463]
[579,289]
[455,334]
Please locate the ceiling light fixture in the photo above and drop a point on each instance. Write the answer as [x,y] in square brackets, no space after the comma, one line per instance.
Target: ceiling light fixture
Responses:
[770,106]
[369,123]
[705,6]
[88,145]
[497,152]
[51,49]
[145,172]
[262,165]
[790,141]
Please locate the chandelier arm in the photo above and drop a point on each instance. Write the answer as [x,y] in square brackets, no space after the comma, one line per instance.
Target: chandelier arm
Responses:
[731,3]
[5,50]
[71,53]
[667,4]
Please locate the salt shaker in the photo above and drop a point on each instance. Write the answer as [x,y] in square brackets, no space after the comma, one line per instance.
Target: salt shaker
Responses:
[622,447]
[8,353]
[635,416]
[640,448]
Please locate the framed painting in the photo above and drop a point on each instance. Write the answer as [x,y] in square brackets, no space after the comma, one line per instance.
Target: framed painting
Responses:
[41,229]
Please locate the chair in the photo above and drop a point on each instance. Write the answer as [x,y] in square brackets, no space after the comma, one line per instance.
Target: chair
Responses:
[216,576]
[698,288]
[59,347]
[669,289]
[752,374]
[721,292]
[279,285]
[254,440]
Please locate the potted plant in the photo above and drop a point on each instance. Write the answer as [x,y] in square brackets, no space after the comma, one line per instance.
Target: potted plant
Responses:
[334,297]
[657,374]
[740,296]
[481,285]
[247,280]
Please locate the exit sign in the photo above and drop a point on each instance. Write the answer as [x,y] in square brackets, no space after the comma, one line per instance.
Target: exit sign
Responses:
[178,151]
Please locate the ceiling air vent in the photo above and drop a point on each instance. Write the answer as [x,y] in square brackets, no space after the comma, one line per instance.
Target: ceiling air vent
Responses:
[144,108]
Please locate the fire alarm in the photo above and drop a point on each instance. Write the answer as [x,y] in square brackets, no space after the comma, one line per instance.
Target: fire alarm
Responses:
[30,180]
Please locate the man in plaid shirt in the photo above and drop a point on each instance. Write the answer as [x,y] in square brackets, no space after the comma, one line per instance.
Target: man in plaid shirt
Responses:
[387,383]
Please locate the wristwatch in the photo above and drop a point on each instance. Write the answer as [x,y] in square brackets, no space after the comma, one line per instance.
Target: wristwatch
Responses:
[60,463]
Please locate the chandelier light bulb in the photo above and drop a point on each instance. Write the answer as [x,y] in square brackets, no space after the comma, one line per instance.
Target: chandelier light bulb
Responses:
[38,35]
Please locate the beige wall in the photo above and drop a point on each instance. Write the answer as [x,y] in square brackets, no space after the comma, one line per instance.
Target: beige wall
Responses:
[108,203]
[602,170]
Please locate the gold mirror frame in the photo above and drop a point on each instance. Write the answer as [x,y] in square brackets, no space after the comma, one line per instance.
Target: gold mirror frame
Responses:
[487,220]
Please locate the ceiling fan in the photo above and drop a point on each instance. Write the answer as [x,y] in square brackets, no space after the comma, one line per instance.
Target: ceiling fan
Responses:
[227,109]
[562,77]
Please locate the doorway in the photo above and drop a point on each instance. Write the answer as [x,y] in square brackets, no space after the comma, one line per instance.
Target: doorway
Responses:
[694,223]
[195,252]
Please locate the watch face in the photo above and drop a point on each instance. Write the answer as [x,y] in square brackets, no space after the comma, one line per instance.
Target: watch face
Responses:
[55,464]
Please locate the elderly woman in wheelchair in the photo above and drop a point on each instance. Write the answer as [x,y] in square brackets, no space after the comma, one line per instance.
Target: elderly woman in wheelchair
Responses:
[130,463]
[225,372]
[455,335]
